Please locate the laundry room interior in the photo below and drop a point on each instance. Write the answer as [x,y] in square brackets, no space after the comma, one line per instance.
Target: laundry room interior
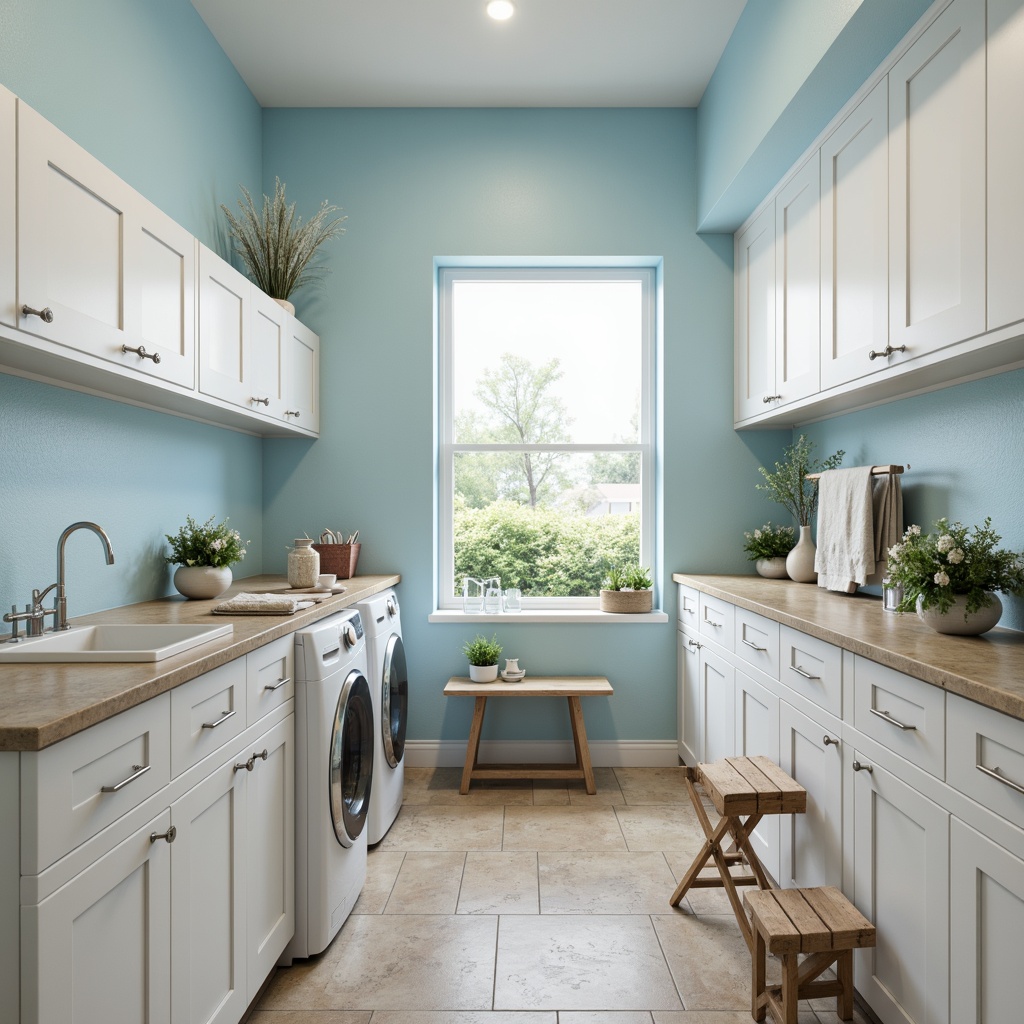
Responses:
[608,534]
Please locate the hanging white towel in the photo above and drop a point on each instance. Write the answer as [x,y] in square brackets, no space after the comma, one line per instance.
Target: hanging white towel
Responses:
[845,557]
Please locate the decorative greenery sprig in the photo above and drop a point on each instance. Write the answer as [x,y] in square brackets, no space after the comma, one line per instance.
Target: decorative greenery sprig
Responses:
[789,485]
[769,542]
[276,246]
[632,577]
[481,651]
[938,567]
[208,544]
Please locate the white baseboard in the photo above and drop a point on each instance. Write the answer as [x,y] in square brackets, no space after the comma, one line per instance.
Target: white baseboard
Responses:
[603,753]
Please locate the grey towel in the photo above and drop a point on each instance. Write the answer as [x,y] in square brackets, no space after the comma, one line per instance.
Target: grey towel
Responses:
[887,508]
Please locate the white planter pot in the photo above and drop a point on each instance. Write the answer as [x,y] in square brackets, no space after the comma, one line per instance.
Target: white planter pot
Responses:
[483,673]
[800,561]
[957,621]
[772,568]
[202,581]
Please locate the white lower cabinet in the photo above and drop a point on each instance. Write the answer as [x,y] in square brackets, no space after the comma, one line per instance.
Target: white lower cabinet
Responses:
[688,697]
[717,706]
[757,734]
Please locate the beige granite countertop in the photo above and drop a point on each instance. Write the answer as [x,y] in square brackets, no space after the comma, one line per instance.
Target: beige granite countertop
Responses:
[988,669]
[43,703]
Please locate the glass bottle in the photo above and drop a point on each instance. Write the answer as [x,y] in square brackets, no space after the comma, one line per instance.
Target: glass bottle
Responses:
[303,564]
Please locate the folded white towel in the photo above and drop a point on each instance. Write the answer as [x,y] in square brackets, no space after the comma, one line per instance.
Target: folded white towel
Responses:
[846,537]
[262,604]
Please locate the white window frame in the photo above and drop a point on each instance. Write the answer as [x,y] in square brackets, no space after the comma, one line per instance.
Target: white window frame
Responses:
[446,447]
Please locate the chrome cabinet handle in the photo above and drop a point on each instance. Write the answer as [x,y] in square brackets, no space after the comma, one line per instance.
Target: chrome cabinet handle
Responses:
[994,773]
[694,644]
[290,412]
[858,767]
[278,684]
[45,314]
[251,763]
[886,717]
[711,622]
[827,740]
[802,672]
[141,352]
[260,401]
[771,398]
[752,646]
[887,351]
[224,716]
[170,835]
[138,770]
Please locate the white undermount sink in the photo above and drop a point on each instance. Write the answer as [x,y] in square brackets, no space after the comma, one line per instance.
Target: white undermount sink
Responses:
[113,642]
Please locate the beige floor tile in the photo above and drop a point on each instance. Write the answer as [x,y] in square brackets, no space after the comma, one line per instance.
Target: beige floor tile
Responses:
[604,883]
[662,827]
[826,1013]
[500,883]
[550,792]
[652,785]
[700,901]
[382,867]
[429,827]
[302,985]
[412,962]
[427,884]
[607,786]
[581,963]
[309,1017]
[604,1017]
[461,1017]
[441,786]
[719,1017]
[562,829]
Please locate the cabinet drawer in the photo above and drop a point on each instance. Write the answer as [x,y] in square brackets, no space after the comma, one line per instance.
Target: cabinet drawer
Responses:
[757,641]
[904,714]
[985,757]
[77,787]
[206,712]
[813,668]
[270,677]
[689,606]
[716,620]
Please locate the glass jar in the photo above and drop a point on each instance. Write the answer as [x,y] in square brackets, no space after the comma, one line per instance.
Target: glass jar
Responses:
[303,564]
[492,595]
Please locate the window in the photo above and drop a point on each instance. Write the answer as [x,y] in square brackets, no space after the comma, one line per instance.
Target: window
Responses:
[546,426]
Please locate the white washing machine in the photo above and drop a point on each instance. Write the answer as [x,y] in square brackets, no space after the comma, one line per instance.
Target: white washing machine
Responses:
[333,775]
[389,687]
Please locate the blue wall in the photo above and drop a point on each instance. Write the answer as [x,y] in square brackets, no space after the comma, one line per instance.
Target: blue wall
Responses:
[144,87]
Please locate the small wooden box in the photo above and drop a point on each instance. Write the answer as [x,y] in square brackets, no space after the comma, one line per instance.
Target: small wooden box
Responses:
[339,559]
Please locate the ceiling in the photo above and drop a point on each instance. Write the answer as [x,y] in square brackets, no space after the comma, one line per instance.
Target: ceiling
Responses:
[448,53]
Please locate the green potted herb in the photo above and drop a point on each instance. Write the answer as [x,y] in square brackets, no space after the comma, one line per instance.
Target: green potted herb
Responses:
[627,590]
[767,547]
[483,655]
[204,556]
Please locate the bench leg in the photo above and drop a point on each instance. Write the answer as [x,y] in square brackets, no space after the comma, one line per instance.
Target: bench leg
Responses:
[844,973]
[757,962]
[790,988]
[579,739]
[473,746]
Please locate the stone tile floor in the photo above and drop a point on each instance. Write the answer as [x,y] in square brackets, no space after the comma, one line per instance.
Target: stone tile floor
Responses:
[531,903]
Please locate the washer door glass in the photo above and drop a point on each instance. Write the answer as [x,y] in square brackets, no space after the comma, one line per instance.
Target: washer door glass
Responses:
[351,759]
[394,700]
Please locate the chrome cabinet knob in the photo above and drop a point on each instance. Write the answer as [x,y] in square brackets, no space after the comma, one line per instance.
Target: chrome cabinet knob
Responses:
[45,314]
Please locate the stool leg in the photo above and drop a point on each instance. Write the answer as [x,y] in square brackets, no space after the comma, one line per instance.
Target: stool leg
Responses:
[790,988]
[757,962]
[844,972]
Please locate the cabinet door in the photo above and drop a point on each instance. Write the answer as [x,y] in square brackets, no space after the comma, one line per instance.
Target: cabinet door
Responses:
[811,844]
[937,183]
[301,370]
[688,699]
[208,877]
[269,341]
[98,949]
[717,706]
[8,177]
[798,284]
[225,350]
[901,884]
[855,242]
[987,917]
[270,847]
[1005,159]
[757,735]
[755,316]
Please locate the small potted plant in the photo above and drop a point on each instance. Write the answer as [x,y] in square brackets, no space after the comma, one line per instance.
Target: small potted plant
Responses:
[204,556]
[767,548]
[949,577]
[627,590]
[483,655]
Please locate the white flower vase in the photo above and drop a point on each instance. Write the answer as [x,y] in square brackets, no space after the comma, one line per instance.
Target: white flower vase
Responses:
[202,582]
[772,568]
[958,621]
[800,561]
[483,673]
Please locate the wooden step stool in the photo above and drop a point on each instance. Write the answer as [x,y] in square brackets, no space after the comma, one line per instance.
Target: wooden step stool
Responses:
[752,786]
[820,922]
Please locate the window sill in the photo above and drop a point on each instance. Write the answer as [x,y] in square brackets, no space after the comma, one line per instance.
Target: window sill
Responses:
[561,616]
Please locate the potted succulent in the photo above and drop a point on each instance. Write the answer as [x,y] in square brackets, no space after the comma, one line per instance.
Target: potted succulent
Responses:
[949,577]
[483,655]
[767,547]
[789,486]
[204,556]
[627,590]
[276,247]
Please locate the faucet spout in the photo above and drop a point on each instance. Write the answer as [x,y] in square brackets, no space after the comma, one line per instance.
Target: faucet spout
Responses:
[62,601]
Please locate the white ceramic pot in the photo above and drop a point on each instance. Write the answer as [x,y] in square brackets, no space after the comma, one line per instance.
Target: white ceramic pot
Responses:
[800,561]
[288,307]
[957,621]
[772,568]
[202,581]
[483,673]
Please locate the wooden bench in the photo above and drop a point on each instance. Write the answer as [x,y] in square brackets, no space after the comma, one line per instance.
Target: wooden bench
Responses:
[821,923]
[737,786]
[570,687]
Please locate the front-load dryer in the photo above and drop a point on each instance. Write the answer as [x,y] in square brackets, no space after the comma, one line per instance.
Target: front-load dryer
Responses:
[333,775]
[389,686]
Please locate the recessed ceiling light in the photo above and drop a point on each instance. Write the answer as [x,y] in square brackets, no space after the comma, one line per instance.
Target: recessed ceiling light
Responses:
[501,10]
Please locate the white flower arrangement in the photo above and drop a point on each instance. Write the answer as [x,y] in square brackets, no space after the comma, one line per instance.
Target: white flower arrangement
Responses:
[209,544]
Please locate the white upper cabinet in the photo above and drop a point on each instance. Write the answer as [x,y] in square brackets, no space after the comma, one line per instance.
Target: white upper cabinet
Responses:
[797,284]
[104,269]
[855,242]
[1005,161]
[755,316]
[225,349]
[937,184]
[301,373]
[269,338]
[8,177]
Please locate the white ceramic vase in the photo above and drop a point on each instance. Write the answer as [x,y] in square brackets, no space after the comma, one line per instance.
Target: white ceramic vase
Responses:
[772,568]
[957,621]
[288,307]
[800,561]
[202,581]
[483,673]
